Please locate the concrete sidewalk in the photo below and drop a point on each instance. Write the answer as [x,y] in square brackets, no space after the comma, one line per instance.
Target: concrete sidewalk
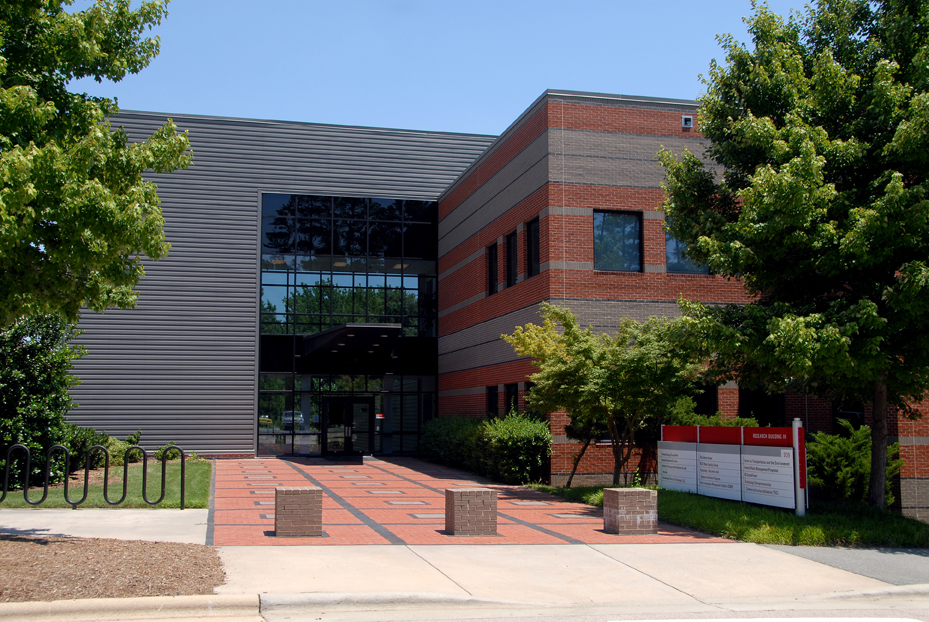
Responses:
[466,581]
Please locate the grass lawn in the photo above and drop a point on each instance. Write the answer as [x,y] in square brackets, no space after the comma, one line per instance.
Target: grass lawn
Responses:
[197,493]
[825,524]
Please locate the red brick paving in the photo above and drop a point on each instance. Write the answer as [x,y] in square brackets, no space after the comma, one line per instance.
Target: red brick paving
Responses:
[354,512]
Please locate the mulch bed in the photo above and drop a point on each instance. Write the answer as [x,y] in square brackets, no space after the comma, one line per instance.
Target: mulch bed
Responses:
[52,568]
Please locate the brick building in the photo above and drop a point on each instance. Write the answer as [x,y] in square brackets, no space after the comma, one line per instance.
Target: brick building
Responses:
[331,288]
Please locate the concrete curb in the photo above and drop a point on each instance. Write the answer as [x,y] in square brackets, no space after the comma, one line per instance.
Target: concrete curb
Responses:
[271,602]
[916,589]
[238,608]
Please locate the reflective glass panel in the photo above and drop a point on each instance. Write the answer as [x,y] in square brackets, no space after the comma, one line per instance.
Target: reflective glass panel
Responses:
[314,237]
[424,211]
[309,206]
[274,324]
[349,207]
[278,204]
[278,235]
[677,261]
[618,241]
[349,238]
[385,239]
[385,209]
[419,242]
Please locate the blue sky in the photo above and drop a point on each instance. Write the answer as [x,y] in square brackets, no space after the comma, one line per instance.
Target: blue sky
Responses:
[466,66]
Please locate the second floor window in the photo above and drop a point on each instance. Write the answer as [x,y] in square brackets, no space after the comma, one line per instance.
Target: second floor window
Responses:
[618,241]
[532,247]
[491,269]
[512,258]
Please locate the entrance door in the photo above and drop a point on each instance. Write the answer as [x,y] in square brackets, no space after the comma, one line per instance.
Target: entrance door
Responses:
[348,426]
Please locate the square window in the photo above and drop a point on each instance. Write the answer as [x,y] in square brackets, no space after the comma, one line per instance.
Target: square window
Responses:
[618,241]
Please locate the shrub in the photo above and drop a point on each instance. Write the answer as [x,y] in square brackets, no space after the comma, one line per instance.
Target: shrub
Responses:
[683,414]
[511,449]
[515,448]
[79,440]
[35,360]
[839,465]
[118,449]
[172,455]
[452,441]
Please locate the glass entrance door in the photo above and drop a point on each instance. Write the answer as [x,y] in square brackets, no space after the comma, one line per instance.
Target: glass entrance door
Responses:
[348,426]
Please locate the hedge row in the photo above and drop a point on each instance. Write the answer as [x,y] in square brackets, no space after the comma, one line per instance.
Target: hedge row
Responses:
[511,449]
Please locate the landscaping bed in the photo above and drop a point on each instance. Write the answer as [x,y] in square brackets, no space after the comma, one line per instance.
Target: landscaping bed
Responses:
[825,524]
[197,493]
[51,568]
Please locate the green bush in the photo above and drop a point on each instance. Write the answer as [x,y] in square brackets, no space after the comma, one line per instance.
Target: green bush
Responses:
[172,455]
[839,465]
[683,414]
[515,448]
[79,440]
[118,449]
[452,441]
[35,361]
[512,449]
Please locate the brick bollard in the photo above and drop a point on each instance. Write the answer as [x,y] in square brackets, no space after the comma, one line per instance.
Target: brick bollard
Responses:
[470,512]
[630,511]
[298,511]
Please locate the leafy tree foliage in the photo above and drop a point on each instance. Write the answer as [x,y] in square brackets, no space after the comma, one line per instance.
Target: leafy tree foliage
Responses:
[620,382]
[817,200]
[35,360]
[75,214]
[840,464]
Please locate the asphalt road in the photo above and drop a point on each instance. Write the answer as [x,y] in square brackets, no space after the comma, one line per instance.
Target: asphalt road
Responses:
[894,566]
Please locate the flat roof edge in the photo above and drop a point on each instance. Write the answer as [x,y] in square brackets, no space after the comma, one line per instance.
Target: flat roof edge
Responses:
[207,117]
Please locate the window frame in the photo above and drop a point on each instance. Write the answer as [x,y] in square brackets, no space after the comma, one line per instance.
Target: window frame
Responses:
[533,258]
[511,250]
[641,240]
[492,268]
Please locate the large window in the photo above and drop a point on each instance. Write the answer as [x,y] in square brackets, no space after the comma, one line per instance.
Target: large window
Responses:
[510,398]
[493,401]
[677,261]
[618,241]
[512,257]
[328,261]
[532,247]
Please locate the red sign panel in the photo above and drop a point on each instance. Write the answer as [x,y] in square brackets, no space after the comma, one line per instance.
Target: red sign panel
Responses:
[720,435]
[770,437]
[679,433]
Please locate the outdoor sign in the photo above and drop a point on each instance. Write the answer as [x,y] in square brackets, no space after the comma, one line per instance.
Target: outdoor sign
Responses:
[758,465]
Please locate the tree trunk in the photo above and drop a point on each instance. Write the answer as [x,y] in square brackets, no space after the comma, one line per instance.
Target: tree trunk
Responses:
[878,483]
[577,461]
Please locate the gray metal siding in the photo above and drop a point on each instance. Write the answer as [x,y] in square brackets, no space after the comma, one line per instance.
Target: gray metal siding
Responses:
[182,365]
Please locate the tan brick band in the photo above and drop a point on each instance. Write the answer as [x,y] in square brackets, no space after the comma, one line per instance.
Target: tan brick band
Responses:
[298,511]
[630,511]
[470,512]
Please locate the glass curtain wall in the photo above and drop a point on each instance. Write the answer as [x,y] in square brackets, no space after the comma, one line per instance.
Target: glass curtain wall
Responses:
[327,262]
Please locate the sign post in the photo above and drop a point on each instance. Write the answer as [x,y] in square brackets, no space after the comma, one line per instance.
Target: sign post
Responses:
[799,473]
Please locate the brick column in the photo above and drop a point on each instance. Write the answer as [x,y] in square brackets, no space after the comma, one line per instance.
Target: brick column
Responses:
[298,511]
[471,512]
[630,511]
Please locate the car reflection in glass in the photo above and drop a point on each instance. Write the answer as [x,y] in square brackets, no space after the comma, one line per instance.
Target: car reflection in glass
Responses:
[292,418]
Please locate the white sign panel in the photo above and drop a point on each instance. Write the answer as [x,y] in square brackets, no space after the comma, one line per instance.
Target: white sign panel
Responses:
[677,466]
[718,471]
[768,475]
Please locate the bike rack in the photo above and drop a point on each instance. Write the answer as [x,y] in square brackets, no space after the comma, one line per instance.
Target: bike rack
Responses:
[106,474]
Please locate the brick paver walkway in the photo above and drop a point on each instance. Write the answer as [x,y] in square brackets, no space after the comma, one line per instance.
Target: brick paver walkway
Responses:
[397,501]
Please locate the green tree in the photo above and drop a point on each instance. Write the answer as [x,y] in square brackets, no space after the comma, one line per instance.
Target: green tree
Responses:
[620,382]
[75,214]
[817,200]
[35,361]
